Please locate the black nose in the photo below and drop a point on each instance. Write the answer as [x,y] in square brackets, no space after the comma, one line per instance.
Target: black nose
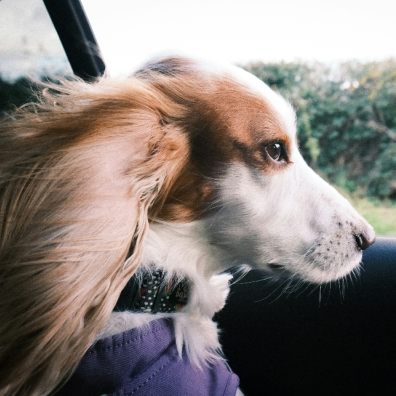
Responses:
[362,241]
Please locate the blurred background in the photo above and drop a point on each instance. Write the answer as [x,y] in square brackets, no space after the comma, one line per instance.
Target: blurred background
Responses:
[335,61]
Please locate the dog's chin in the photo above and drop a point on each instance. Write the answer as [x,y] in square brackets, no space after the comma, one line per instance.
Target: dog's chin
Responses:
[315,272]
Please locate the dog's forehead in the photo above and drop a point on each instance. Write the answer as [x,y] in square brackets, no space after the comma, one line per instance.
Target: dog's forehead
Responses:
[280,108]
[248,85]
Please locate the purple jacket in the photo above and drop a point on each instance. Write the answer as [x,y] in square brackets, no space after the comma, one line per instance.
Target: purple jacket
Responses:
[144,361]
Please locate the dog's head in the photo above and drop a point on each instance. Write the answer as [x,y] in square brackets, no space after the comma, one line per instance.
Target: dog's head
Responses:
[258,200]
[180,142]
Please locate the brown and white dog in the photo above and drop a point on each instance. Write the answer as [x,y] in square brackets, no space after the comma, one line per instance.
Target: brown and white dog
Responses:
[196,167]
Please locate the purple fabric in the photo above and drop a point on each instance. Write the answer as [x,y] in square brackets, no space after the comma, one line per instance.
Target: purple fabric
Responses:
[144,361]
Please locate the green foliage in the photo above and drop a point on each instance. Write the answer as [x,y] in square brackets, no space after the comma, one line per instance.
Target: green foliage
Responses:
[380,214]
[346,120]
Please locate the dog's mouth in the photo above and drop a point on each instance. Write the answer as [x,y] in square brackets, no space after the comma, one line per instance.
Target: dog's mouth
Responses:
[278,269]
[314,271]
[275,267]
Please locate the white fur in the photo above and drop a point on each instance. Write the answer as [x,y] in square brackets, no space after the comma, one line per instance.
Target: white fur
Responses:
[179,250]
[292,218]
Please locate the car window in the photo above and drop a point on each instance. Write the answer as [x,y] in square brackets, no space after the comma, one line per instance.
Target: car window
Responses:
[29,45]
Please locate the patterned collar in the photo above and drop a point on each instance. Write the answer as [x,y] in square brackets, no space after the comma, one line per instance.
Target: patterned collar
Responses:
[152,292]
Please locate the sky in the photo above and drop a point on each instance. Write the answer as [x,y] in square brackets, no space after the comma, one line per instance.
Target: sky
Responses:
[129,32]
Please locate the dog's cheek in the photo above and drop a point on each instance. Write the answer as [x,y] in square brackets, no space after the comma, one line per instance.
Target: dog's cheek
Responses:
[189,198]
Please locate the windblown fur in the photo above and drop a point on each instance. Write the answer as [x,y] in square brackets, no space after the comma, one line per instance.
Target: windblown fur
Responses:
[78,174]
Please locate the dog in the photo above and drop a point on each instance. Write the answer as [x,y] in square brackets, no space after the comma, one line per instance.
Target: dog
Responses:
[184,167]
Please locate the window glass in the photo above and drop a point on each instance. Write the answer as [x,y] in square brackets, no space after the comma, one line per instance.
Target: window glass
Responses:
[29,45]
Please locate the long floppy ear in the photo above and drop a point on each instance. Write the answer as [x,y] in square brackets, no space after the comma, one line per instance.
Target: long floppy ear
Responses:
[77,178]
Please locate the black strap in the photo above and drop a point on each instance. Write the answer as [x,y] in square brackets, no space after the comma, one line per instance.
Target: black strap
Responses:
[77,37]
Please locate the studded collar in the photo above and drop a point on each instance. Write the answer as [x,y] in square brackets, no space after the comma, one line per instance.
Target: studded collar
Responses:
[153,292]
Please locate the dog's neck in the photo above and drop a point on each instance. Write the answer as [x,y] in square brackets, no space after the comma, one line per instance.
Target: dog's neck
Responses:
[182,249]
[183,253]
[175,257]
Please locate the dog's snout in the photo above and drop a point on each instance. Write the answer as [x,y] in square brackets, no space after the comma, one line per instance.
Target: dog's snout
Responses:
[364,240]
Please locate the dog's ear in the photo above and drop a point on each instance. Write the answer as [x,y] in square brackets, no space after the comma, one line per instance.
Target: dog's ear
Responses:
[77,178]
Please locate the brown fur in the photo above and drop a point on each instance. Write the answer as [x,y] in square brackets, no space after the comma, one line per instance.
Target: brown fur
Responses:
[79,178]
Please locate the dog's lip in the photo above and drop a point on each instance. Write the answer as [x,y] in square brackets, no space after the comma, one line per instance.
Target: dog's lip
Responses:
[279,270]
[275,266]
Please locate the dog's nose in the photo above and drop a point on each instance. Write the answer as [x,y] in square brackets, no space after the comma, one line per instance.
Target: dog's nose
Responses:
[363,240]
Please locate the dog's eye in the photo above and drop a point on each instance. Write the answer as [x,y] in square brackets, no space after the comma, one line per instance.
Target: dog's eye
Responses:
[276,151]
